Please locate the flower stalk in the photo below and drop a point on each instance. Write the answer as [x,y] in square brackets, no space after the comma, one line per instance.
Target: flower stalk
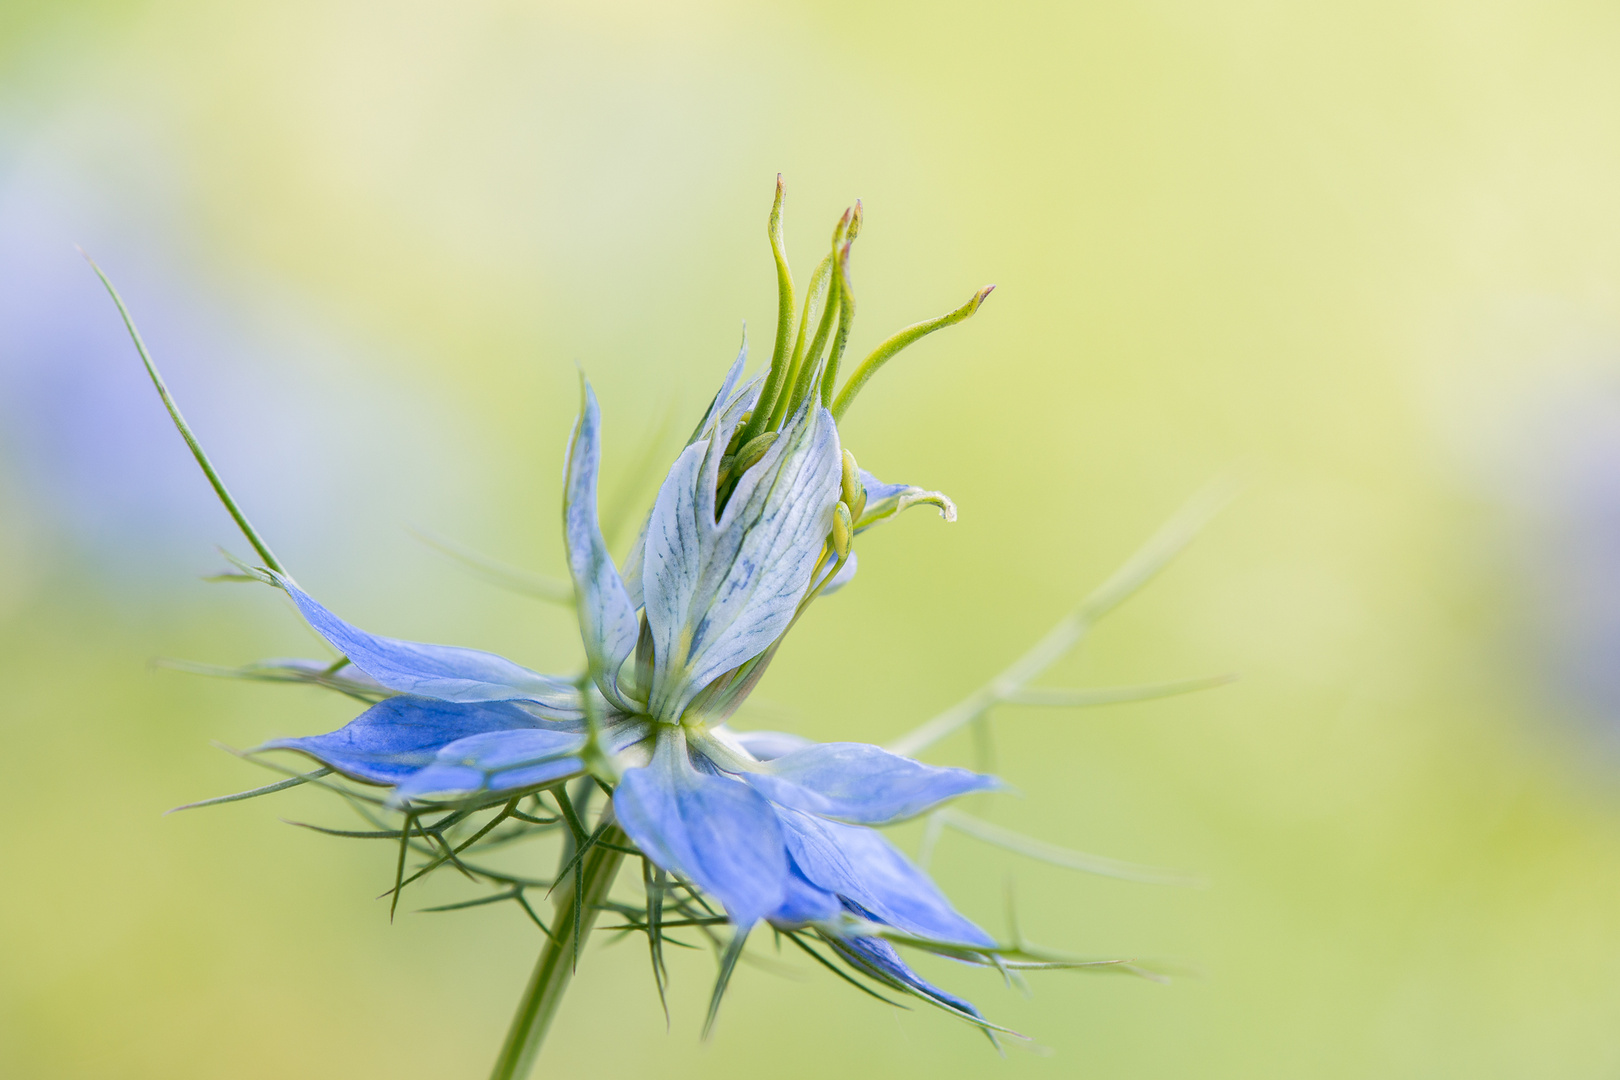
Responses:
[579,901]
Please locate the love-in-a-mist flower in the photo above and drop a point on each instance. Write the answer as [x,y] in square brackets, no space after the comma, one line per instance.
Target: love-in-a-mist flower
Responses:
[755,520]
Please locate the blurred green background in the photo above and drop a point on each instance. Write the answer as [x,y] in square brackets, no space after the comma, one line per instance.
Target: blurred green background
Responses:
[1369,252]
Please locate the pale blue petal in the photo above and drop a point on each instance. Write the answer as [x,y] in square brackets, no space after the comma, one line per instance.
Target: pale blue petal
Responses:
[861,866]
[715,831]
[680,535]
[720,399]
[607,618]
[445,672]
[495,761]
[770,537]
[766,745]
[863,784]
[719,593]
[876,956]
[394,738]
[731,417]
[675,550]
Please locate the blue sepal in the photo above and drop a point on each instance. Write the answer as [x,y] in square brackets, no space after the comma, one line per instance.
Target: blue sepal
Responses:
[861,866]
[863,784]
[446,672]
[718,592]
[396,737]
[878,957]
[716,831]
[495,761]
[804,902]
[607,617]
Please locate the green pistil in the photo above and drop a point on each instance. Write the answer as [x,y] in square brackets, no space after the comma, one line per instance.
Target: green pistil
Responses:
[784,323]
[818,289]
[795,373]
[846,305]
[886,351]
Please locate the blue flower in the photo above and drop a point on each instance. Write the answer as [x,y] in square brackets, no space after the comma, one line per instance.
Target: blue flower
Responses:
[773,827]
[755,520]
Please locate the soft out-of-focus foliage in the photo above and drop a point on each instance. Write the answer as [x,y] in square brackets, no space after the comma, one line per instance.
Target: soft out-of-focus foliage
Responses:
[1373,249]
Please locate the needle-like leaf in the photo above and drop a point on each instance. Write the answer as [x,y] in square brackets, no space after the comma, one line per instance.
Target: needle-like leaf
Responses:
[728,963]
[180,424]
[280,785]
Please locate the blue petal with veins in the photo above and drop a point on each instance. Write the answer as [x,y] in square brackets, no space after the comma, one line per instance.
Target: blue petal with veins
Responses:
[445,672]
[879,957]
[804,902]
[396,737]
[860,783]
[495,761]
[719,593]
[607,618]
[859,865]
[717,832]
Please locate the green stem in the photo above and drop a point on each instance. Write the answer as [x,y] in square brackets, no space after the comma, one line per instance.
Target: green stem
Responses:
[555,968]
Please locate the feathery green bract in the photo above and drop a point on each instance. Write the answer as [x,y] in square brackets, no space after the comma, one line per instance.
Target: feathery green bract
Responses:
[284,672]
[280,785]
[728,964]
[654,882]
[1171,539]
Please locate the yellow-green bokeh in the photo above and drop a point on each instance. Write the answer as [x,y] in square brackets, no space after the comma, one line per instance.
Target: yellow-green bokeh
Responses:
[1300,240]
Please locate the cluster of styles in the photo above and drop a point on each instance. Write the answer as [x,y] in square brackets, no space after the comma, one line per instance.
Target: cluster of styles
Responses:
[460,751]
